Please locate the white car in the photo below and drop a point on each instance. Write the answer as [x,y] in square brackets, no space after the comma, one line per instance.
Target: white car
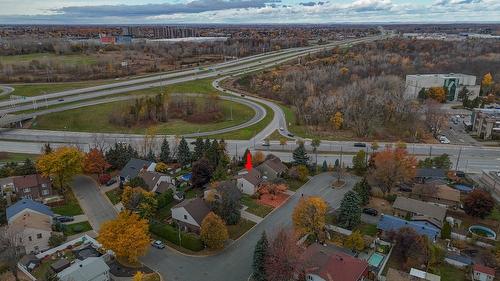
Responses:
[444,140]
[282,129]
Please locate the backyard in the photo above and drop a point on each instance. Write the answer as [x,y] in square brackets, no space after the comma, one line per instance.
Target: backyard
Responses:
[75,228]
[70,206]
[237,230]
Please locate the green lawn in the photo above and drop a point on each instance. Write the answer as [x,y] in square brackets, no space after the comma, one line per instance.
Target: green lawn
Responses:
[15,157]
[36,89]
[495,214]
[450,273]
[235,231]
[75,228]
[192,193]
[70,207]
[77,59]
[367,229]
[98,121]
[114,195]
[293,185]
[254,207]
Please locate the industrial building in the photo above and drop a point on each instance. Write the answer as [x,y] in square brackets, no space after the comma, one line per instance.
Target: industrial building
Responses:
[486,123]
[454,83]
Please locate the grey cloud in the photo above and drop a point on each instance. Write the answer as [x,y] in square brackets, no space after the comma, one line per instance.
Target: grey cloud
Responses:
[193,7]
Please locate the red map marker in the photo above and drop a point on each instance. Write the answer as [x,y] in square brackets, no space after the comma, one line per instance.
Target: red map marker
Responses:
[248,164]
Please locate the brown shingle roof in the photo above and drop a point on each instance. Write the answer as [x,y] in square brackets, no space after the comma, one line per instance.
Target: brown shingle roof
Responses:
[420,207]
[253,176]
[275,164]
[484,269]
[30,181]
[196,207]
[437,191]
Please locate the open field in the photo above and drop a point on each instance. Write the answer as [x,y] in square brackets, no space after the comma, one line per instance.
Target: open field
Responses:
[36,89]
[77,59]
[15,157]
[96,119]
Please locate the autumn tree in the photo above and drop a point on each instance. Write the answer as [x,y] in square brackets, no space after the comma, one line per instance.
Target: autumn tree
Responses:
[337,120]
[213,231]
[127,230]
[437,93]
[284,259]
[272,188]
[355,241]
[140,201]
[349,213]
[479,203]
[161,167]
[392,167]
[94,162]
[486,83]
[201,172]
[315,143]
[283,142]
[410,248]
[61,164]
[309,216]
[258,157]
[259,259]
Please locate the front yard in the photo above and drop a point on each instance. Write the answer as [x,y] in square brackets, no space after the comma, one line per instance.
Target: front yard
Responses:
[75,228]
[114,195]
[70,206]
[254,207]
[237,230]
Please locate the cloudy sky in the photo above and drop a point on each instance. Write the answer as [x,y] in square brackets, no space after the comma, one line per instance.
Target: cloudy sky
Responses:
[246,11]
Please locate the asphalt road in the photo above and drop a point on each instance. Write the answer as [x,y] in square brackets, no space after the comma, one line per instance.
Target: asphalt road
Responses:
[94,204]
[234,263]
[5,90]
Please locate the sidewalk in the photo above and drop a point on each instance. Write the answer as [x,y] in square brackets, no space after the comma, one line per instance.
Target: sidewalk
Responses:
[78,218]
[249,216]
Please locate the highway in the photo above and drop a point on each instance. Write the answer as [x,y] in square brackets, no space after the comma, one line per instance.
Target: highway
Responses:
[5,90]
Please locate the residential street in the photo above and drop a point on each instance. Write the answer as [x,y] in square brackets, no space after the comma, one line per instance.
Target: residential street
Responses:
[94,204]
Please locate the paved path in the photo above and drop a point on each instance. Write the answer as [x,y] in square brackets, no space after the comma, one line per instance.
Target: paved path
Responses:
[77,219]
[5,90]
[234,263]
[251,217]
[93,202]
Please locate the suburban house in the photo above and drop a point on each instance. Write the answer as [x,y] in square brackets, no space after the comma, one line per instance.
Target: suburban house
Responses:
[408,207]
[30,224]
[413,275]
[227,187]
[154,179]
[482,273]
[322,264]
[89,269]
[440,194]
[33,187]
[391,223]
[248,181]
[134,167]
[459,261]
[424,175]
[189,214]
[272,168]
[6,185]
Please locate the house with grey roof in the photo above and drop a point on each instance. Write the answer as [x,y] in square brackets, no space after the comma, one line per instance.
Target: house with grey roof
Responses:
[248,181]
[189,214]
[404,207]
[272,168]
[154,179]
[89,269]
[133,167]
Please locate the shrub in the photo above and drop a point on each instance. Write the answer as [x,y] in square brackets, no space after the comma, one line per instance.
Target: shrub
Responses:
[391,197]
[103,179]
[56,239]
[188,240]
[165,198]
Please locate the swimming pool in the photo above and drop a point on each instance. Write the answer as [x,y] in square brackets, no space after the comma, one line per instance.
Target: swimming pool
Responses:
[463,188]
[376,259]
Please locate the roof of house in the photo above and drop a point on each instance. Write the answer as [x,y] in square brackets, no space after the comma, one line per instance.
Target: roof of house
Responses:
[462,259]
[424,275]
[427,220]
[430,173]
[196,207]
[333,265]
[388,223]
[420,207]
[163,187]
[442,192]
[275,164]
[30,181]
[230,188]
[133,167]
[85,270]
[253,176]
[484,269]
[150,178]
[24,204]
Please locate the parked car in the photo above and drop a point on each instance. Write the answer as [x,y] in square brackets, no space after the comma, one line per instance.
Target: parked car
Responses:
[158,244]
[370,211]
[291,135]
[359,144]
[242,95]
[62,219]
[60,99]
[111,182]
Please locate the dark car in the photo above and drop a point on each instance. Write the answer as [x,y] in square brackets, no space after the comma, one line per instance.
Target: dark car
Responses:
[63,219]
[158,244]
[60,99]
[242,95]
[370,211]
[359,144]
[111,182]
[291,135]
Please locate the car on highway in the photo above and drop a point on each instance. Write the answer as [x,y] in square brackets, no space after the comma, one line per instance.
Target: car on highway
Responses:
[158,244]
[242,95]
[111,182]
[60,99]
[370,211]
[62,219]
[444,140]
[282,129]
[359,144]
[290,135]
[266,143]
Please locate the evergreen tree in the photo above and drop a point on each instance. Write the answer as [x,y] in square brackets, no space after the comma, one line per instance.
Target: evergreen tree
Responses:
[199,149]
[300,156]
[324,168]
[362,188]
[220,173]
[183,152]
[120,154]
[28,168]
[47,148]
[259,259]
[337,163]
[213,153]
[359,162]
[151,156]
[165,152]
[349,215]
[207,145]
[446,231]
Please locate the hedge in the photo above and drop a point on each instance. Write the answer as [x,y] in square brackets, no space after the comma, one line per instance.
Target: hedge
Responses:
[168,232]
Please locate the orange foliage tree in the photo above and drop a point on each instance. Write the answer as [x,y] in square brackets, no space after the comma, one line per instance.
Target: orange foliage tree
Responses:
[94,162]
[309,216]
[272,188]
[127,236]
[213,231]
[437,93]
[391,167]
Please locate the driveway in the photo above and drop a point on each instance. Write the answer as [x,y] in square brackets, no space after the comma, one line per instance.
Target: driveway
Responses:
[235,262]
[97,208]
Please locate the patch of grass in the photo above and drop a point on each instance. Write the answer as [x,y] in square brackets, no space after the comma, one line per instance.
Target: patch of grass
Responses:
[75,228]
[114,195]
[293,185]
[15,157]
[193,193]
[450,273]
[254,207]
[76,59]
[495,214]
[31,90]
[70,206]
[367,229]
[235,231]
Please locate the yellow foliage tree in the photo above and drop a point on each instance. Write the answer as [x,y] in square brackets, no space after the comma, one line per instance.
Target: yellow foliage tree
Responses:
[138,276]
[437,93]
[344,70]
[61,164]
[161,167]
[127,236]
[487,80]
[337,120]
[258,157]
[213,231]
[355,241]
[309,216]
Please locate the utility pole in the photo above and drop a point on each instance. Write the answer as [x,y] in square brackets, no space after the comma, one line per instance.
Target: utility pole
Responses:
[430,151]
[458,158]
